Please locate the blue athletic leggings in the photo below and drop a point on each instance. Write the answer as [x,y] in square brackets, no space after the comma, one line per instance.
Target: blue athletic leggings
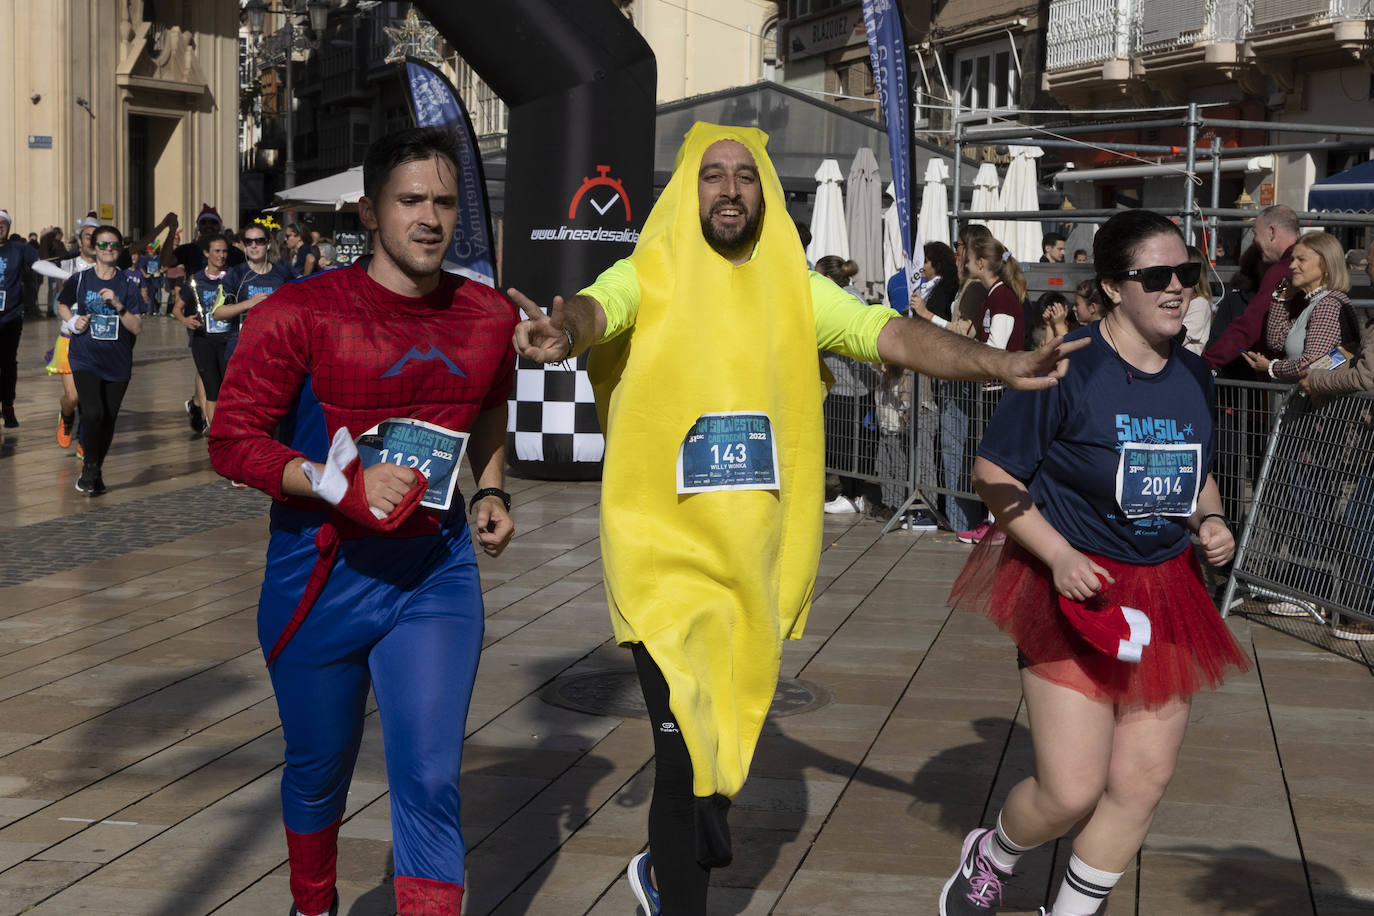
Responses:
[405,617]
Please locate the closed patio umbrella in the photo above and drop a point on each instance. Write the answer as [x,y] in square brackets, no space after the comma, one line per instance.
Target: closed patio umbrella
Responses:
[1018,193]
[863,218]
[933,221]
[829,234]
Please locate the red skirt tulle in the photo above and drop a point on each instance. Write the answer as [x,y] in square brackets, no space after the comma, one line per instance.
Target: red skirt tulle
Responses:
[1190,647]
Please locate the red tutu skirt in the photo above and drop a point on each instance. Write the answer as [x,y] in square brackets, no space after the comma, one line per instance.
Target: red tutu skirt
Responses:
[1190,647]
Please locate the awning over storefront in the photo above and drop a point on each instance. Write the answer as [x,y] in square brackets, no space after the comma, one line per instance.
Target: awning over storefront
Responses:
[1352,189]
[333,192]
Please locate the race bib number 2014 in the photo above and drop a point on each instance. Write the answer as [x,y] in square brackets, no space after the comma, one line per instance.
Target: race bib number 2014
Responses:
[728,451]
[1158,479]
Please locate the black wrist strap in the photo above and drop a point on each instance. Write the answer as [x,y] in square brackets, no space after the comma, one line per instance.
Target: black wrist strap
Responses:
[1202,521]
[490,491]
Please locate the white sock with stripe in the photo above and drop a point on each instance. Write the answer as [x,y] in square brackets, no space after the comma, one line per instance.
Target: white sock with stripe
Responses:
[1084,889]
[1000,848]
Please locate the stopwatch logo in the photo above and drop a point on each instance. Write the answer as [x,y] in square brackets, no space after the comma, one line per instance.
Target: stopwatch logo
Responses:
[604,180]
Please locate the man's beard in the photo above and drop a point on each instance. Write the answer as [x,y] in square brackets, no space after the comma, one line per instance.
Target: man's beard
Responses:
[728,242]
[413,264]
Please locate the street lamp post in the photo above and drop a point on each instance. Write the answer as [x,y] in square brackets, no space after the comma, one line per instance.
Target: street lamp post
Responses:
[319,17]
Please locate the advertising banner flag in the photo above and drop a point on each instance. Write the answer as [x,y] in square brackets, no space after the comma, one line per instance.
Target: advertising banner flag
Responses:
[887,51]
[435,103]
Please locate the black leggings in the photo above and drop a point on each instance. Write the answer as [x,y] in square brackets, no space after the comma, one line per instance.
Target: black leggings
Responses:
[211,358]
[100,402]
[688,836]
[10,332]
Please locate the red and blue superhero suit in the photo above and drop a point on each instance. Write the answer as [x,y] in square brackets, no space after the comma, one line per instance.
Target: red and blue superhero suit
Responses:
[403,612]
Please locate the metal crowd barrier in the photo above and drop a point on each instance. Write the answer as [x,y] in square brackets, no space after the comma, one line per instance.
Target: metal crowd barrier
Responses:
[1297,480]
[1308,536]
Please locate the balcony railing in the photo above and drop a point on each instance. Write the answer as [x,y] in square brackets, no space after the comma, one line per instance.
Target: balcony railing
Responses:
[1272,15]
[1163,25]
[1085,32]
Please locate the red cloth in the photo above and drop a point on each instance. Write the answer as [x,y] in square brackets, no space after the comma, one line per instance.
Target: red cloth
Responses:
[314,862]
[368,354]
[427,897]
[1118,632]
[1002,301]
[352,518]
[1247,331]
[1190,647]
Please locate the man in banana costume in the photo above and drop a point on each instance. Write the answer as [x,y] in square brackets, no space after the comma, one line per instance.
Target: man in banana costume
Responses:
[709,389]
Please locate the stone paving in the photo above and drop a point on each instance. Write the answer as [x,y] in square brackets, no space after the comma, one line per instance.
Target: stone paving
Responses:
[140,751]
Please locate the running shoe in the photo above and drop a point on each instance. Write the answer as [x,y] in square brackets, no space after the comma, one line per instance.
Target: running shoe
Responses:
[642,886]
[1358,631]
[65,426]
[195,416]
[11,421]
[333,907]
[840,505]
[974,534]
[919,520]
[976,885]
[87,481]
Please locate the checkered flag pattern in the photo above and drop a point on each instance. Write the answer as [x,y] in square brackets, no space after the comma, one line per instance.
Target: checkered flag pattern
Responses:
[553,416]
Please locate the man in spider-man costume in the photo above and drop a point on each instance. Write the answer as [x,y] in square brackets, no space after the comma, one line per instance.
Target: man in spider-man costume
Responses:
[364,585]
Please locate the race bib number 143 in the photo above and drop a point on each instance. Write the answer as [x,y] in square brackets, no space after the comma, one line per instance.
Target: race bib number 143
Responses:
[728,451]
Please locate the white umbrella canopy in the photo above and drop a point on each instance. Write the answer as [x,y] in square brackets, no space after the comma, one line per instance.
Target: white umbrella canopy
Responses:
[1018,193]
[863,219]
[333,192]
[893,259]
[933,221]
[829,235]
[985,196]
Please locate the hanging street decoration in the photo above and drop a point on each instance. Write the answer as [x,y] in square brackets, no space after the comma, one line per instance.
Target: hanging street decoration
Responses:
[414,38]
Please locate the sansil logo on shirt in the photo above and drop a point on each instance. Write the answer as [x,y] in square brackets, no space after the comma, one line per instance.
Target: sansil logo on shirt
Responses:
[1150,429]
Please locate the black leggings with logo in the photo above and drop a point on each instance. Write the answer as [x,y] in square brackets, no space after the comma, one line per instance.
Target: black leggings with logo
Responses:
[688,836]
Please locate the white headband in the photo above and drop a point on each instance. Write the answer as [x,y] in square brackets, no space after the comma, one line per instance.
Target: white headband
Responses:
[5,215]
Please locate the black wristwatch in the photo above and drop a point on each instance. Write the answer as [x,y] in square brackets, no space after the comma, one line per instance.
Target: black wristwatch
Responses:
[121,312]
[490,491]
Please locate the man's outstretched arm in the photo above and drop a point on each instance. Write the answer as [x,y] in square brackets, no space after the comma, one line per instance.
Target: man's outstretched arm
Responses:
[922,347]
[571,326]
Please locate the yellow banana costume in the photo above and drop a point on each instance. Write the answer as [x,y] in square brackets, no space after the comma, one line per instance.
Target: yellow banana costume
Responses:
[711,582]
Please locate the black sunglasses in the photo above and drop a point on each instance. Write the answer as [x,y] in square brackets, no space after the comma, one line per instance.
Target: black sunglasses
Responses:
[1155,279]
[254,240]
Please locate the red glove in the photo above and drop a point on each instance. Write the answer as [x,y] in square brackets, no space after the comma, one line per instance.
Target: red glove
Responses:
[1121,632]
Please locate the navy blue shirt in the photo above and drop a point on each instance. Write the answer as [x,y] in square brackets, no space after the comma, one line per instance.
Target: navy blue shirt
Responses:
[209,291]
[15,258]
[242,283]
[299,264]
[112,360]
[1066,444]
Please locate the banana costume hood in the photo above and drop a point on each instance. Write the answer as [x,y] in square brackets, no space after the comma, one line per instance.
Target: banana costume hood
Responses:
[711,582]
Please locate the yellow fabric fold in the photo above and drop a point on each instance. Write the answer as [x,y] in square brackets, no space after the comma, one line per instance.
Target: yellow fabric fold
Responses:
[712,582]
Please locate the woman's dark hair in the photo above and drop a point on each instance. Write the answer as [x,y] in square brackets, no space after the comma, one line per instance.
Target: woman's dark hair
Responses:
[401,147]
[941,257]
[107,230]
[1249,270]
[1116,243]
[837,269]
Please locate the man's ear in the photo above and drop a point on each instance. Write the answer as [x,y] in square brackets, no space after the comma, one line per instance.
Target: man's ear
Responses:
[367,214]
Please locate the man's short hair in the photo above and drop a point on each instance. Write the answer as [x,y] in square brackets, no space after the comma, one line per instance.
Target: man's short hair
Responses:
[1050,239]
[205,241]
[1280,217]
[405,146]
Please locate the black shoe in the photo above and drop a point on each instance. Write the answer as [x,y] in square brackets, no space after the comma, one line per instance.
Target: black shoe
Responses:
[87,481]
[333,907]
[11,421]
[919,520]
[195,416]
[99,488]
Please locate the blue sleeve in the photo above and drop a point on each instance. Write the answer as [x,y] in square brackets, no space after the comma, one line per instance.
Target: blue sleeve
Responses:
[132,299]
[28,254]
[68,295]
[1021,430]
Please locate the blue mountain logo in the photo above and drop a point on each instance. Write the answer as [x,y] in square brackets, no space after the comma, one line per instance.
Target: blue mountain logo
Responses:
[431,353]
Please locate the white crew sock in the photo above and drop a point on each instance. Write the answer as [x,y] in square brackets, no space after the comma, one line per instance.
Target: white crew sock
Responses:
[1002,850]
[1084,889]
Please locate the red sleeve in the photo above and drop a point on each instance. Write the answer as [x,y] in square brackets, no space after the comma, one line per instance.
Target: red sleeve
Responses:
[502,392]
[264,380]
[1248,329]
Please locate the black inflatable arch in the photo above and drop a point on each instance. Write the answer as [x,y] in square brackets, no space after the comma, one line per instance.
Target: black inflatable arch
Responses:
[580,84]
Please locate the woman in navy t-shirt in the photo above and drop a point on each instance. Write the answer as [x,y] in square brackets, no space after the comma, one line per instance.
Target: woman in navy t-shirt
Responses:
[102,310]
[251,282]
[304,257]
[1100,484]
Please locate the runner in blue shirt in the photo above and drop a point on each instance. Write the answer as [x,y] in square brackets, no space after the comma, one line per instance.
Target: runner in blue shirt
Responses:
[102,311]
[1099,485]
[15,258]
[202,298]
[251,282]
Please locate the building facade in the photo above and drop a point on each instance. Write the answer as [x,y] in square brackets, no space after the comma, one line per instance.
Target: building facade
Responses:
[125,107]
